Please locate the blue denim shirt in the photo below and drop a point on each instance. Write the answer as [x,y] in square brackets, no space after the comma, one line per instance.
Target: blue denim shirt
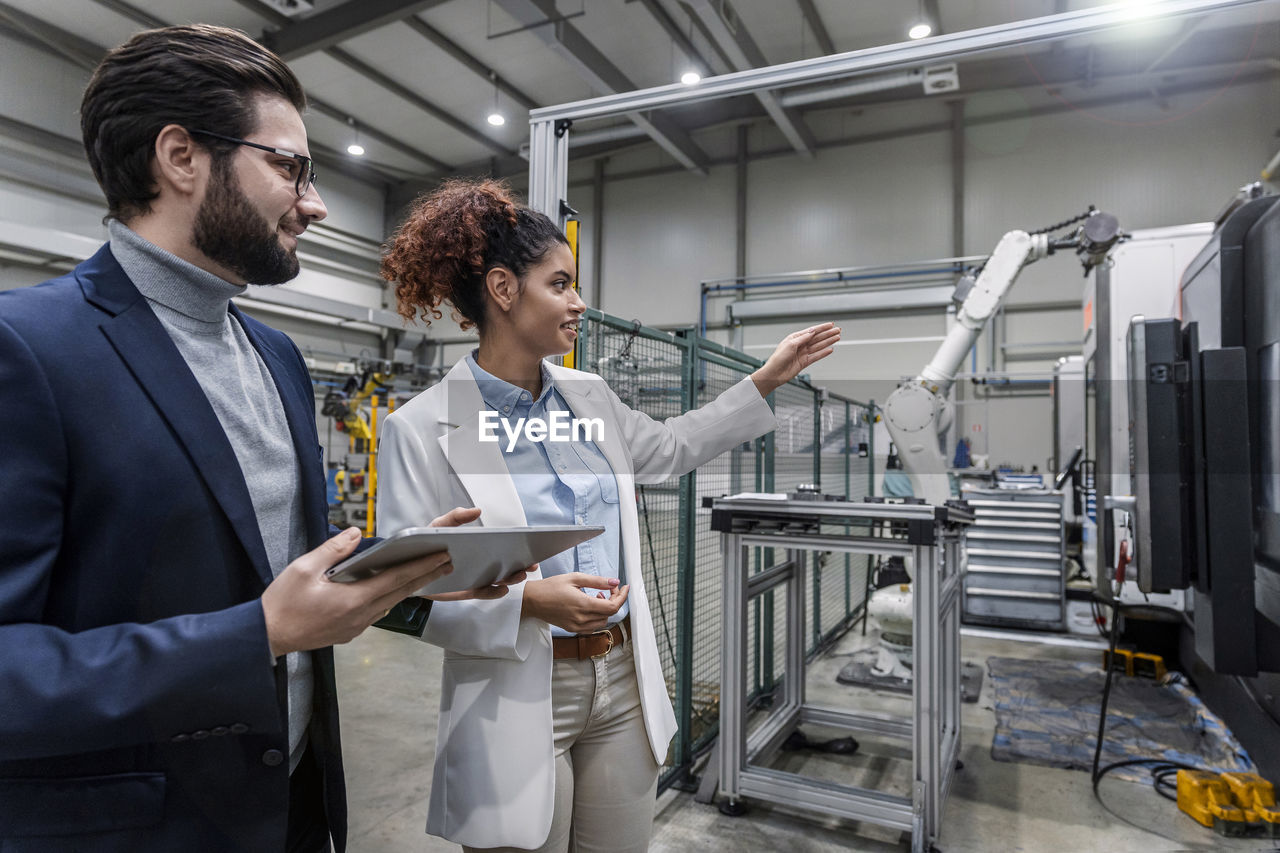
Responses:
[559,482]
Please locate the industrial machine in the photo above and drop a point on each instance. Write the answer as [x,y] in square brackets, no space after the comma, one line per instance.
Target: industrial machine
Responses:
[1204,396]
[1141,278]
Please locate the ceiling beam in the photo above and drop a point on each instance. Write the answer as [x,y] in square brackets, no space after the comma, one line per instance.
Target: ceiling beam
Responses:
[603,75]
[148,20]
[323,30]
[468,61]
[129,11]
[391,142]
[407,94]
[746,54]
[682,42]
[79,51]
[385,11]
[819,29]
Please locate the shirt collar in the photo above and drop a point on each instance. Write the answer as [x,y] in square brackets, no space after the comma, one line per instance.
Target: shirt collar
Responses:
[500,395]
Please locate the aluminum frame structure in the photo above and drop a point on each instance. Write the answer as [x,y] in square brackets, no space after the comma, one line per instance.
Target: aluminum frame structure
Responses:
[549,137]
[934,541]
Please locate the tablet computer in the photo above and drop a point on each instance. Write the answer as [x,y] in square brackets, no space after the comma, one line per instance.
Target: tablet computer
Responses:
[480,555]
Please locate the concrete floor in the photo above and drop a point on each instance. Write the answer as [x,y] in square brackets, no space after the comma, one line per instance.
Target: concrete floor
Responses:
[389,691]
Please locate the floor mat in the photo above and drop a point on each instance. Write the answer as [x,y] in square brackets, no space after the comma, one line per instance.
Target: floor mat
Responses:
[1047,713]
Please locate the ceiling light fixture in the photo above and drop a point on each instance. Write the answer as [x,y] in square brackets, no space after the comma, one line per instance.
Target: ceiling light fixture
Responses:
[690,78]
[496,118]
[921,27]
[355,149]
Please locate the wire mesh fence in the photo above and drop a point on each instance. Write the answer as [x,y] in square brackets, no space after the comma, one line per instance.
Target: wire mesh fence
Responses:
[821,439]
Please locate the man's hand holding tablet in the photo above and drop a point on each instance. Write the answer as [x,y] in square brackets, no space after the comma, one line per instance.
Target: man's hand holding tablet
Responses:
[465,515]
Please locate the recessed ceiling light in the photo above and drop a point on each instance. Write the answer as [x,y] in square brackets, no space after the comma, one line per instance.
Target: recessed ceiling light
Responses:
[355,150]
[920,30]
[497,119]
[690,78]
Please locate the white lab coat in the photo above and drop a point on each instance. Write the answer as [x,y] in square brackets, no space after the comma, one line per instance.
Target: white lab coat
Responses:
[494,771]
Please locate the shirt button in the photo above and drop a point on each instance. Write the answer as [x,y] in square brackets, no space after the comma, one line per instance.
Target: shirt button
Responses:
[199,734]
[183,738]
[273,758]
[506,408]
[239,728]
[219,731]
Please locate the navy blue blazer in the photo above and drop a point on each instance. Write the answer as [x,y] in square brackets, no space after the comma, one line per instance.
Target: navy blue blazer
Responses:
[139,707]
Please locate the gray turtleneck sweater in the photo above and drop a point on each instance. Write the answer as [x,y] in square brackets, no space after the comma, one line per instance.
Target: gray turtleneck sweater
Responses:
[193,306]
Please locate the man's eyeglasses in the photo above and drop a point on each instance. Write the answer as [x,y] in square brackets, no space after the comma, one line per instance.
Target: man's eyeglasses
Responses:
[306,167]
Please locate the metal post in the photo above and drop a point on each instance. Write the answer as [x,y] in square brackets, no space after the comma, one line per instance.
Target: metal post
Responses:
[597,234]
[765,623]
[868,580]
[740,232]
[686,577]
[817,479]
[757,652]
[793,678]
[733,695]
[848,470]
[548,167]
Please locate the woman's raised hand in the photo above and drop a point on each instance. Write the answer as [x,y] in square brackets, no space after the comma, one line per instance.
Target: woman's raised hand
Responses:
[797,351]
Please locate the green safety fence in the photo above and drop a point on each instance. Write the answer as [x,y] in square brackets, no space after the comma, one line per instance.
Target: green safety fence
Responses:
[821,439]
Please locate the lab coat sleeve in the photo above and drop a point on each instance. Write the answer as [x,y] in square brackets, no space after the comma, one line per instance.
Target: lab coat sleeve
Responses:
[664,449]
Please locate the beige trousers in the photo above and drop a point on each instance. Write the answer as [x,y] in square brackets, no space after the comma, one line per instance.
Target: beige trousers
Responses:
[606,778]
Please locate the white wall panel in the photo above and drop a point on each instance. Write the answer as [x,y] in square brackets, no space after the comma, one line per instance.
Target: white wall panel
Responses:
[879,203]
[663,236]
[1176,171]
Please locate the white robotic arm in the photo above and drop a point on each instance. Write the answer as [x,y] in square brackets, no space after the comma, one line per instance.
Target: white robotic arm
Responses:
[917,411]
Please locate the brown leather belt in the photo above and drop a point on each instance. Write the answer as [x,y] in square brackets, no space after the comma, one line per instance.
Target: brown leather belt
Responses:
[594,645]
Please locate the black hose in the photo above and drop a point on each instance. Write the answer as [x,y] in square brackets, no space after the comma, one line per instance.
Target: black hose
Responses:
[1161,769]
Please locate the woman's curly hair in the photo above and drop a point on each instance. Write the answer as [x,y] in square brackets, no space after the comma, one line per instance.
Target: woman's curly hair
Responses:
[450,240]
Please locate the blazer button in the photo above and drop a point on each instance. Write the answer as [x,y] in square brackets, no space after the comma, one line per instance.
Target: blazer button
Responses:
[219,731]
[272,757]
[199,734]
[239,728]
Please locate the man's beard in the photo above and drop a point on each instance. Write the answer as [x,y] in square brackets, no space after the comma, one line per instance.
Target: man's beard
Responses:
[229,232]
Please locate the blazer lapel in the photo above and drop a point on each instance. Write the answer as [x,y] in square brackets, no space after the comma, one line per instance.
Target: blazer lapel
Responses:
[479,465]
[154,360]
[299,410]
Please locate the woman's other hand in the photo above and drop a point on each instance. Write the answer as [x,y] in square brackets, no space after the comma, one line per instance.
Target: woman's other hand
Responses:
[561,601]
[797,351]
[465,515]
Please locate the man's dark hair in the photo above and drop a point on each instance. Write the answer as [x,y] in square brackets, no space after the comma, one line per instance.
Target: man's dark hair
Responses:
[200,77]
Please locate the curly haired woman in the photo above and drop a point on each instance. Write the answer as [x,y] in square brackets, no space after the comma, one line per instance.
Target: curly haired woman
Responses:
[554,718]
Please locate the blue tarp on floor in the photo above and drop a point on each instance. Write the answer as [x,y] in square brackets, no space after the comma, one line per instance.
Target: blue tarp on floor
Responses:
[1047,713]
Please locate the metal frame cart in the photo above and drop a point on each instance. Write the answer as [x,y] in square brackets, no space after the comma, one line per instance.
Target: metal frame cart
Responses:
[794,526]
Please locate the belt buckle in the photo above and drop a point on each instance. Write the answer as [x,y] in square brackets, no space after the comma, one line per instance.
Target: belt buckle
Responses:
[608,632]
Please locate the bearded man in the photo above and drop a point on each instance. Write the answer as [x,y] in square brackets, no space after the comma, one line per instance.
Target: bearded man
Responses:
[166,681]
